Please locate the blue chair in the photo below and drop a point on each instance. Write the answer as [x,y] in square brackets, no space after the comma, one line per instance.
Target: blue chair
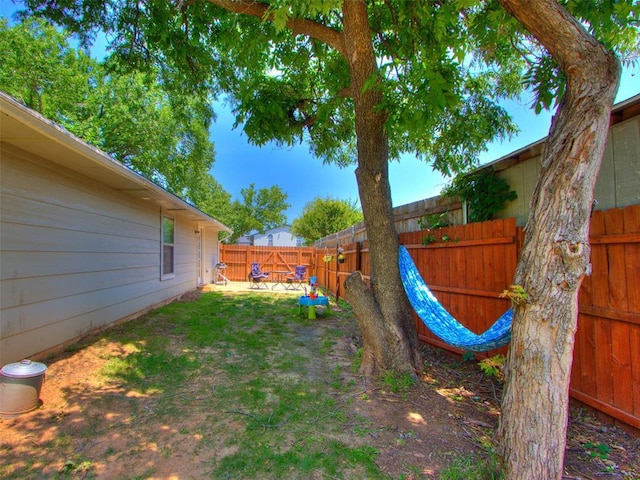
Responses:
[257,278]
[295,280]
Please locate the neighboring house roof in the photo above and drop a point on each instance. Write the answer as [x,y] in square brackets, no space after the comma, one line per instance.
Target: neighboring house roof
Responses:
[244,240]
[280,229]
[250,238]
[33,133]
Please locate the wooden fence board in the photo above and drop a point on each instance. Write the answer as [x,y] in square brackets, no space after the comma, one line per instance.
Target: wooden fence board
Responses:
[585,296]
[478,268]
[600,264]
[485,309]
[600,298]
[584,364]
[621,366]
[620,347]
[614,224]
[473,272]
[634,336]
[632,259]
[603,374]
[498,253]
[487,257]
[632,274]
[499,279]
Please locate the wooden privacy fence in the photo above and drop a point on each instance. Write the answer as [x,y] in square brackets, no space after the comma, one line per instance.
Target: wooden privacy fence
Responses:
[238,259]
[606,359]
[468,266]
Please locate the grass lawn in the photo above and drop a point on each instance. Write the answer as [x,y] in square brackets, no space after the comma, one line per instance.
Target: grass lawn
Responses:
[240,386]
[240,380]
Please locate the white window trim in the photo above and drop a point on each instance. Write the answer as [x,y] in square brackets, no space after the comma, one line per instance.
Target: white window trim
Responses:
[167,276]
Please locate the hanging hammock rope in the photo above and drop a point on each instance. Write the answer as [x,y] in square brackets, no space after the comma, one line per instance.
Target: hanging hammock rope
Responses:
[440,322]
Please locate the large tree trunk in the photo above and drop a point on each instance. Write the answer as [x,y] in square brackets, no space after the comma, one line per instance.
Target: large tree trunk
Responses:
[555,258]
[382,310]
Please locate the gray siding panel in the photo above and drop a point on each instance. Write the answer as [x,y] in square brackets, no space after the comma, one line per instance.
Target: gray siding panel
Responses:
[64,329]
[45,313]
[48,214]
[626,145]
[45,288]
[29,264]
[77,256]
[29,238]
[605,190]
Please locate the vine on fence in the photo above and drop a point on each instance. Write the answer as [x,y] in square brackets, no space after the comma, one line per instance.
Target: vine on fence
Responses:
[485,193]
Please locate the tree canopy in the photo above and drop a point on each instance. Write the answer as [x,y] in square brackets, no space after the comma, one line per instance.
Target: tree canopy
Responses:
[441,101]
[259,210]
[40,70]
[324,216]
[293,87]
[442,68]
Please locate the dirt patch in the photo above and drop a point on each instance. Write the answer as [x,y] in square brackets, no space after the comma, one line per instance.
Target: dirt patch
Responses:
[121,434]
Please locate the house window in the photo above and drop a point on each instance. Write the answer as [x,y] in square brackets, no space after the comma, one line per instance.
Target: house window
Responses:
[168,235]
[299,242]
[270,240]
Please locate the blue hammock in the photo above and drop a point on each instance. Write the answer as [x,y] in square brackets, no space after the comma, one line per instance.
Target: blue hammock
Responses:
[440,322]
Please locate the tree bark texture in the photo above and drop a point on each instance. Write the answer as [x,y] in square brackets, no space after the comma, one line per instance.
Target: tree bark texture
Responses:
[382,310]
[555,257]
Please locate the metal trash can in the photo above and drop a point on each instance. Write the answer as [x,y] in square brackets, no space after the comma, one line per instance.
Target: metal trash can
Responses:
[20,385]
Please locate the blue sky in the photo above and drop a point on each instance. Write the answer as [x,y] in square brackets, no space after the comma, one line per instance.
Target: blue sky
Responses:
[303,177]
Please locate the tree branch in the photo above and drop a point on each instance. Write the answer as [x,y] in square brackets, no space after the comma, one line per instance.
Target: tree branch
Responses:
[555,28]
[299,26]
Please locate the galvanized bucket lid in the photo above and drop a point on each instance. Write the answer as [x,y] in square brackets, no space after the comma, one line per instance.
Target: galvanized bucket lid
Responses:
[23,369]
